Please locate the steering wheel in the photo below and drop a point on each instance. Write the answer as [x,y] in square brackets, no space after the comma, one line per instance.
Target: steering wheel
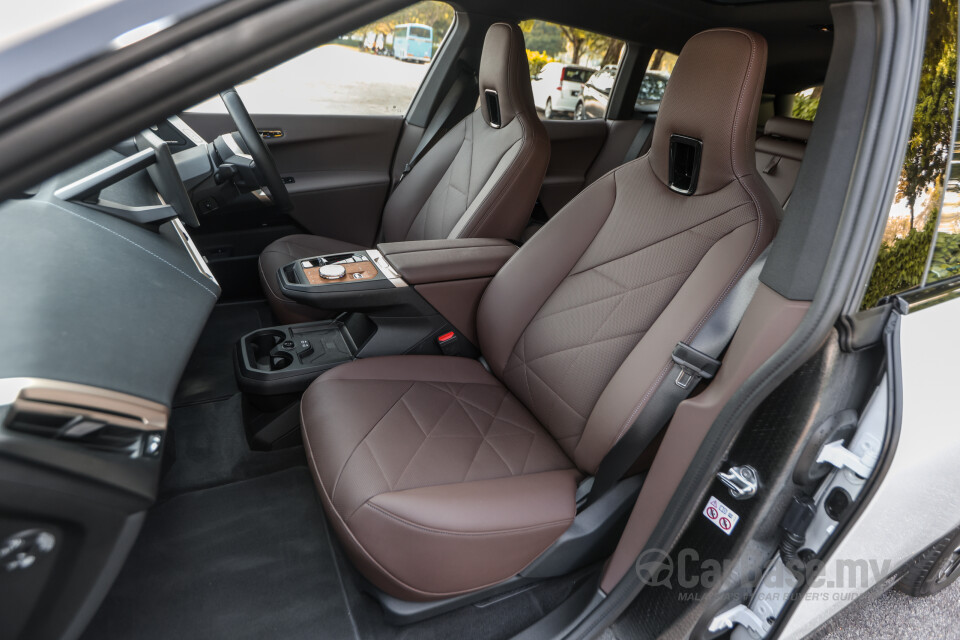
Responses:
[265,166]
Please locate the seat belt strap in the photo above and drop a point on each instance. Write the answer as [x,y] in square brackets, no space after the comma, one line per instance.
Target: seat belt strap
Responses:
[699,360]
[639,140]
[436,126]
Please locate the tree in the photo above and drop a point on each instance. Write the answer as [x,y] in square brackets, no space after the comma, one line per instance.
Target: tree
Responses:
[438,15]
[578,42]
[543,36]
[556,39]
[929,145]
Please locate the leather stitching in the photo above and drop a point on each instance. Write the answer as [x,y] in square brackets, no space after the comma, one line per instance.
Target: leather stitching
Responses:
[449,532]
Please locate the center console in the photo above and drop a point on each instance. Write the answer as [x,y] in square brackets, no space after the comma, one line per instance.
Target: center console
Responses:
[401,298]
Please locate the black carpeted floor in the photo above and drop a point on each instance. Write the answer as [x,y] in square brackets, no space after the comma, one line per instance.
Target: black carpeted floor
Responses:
[209,373]
[210,449]
[238,545]
[249,559]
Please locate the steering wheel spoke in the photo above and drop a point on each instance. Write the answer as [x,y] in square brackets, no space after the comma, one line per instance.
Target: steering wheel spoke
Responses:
[264,166]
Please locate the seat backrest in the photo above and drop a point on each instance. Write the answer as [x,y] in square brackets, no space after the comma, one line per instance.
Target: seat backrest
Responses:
[780,152]
[482,177]
[581,322]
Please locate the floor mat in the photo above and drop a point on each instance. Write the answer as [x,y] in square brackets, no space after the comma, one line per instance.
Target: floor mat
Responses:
[210,449]
[250,559]
[209,373]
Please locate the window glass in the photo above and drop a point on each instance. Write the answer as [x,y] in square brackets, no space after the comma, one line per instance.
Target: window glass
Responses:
[375,70]
[654,81]
[927,192]
[805,103]
[571,70]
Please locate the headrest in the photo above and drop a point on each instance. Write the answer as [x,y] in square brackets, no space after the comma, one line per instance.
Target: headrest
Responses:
[504,75]
[782,147]
[707,119]
[785,127]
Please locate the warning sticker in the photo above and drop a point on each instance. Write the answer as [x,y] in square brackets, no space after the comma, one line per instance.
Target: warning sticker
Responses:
[720,515]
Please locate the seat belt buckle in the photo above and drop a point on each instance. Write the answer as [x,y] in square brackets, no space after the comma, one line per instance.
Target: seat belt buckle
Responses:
[448,343]
[403,174]
[694,365]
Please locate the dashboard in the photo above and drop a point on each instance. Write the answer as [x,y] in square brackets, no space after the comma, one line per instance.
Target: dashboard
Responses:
[104,299]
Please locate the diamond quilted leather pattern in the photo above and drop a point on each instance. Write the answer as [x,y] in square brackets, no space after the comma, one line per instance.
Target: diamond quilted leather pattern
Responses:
[573,346]
[443,433]
[471,168]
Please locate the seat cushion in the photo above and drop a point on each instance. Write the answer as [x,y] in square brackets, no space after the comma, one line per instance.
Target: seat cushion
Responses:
[437,480]
[284,251]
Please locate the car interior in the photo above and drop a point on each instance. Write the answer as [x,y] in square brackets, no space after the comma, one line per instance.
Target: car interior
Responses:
[364,376]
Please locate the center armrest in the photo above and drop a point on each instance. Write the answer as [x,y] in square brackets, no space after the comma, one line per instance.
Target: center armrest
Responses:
[426,261]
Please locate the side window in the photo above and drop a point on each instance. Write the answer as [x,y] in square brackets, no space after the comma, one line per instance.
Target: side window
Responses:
[805,103]
[927,198]
[375,70]
[654,81]
[572,71]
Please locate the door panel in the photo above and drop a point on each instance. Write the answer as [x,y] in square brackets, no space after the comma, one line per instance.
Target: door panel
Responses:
[340,166]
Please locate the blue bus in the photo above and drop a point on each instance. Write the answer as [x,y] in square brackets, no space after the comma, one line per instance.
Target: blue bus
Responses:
[413,42]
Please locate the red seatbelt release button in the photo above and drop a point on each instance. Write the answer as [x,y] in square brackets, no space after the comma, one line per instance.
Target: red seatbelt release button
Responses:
[447,342]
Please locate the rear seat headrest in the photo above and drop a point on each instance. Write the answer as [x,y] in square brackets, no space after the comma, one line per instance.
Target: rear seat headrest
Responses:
[711,102]
[785,137]
[792,128]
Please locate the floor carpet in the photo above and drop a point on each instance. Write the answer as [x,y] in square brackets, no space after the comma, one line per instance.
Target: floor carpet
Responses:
[209,373]
[249,559]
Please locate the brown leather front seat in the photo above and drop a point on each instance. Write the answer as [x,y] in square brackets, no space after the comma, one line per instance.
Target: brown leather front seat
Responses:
[443,477]
[480,180]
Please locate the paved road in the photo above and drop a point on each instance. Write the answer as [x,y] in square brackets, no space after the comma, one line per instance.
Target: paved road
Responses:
[895,615]
[331,79]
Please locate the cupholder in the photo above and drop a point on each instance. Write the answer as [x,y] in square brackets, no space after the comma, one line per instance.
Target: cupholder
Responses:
[281,360]
[260,350]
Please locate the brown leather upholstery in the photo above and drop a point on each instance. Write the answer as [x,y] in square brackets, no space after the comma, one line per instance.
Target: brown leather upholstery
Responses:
[442,478]
[477,181]
[443,260]
[425,465]
[780,152]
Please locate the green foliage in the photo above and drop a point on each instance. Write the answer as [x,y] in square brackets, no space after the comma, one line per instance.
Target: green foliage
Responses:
[438,15]
[900,264]
[805,107]
[928,147]
[946,257]
[536,60]
[543,36]
[348,42]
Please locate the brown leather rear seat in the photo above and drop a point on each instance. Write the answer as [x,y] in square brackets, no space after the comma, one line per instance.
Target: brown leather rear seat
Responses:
[780,152]
[441,476]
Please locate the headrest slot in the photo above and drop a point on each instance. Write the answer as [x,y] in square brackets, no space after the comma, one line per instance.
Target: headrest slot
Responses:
[493,107]
[685,154]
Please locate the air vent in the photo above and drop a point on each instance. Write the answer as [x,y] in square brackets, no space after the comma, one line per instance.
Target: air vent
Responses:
[88,432]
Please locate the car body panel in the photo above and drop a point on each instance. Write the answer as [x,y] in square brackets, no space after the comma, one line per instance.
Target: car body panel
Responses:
[552,84]
[917,500]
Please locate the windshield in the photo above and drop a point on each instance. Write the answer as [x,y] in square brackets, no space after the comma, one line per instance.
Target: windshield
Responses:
[652,88]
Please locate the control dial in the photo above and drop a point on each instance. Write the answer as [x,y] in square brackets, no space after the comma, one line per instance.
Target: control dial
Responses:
[332,271]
